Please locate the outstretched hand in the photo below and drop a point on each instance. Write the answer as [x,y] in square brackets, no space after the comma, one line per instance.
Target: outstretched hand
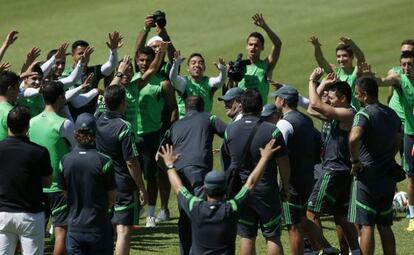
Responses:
[163,46]
[5,66]
[221,64]
[330,79]
[61,51]
[258,20]
[316,74]
[10,38]
[32,55]
[315,41]
[88,81]
[345,40]
[364,69]
[268,151]
[168,155]
[87,54]
[177,57]
[29,71]
[114,40]
[123,66]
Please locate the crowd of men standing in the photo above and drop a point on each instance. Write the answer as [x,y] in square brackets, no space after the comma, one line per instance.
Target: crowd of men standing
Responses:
[79,157]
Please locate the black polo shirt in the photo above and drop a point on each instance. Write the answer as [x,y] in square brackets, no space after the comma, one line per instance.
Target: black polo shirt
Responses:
[115,138]
[87,176]
[23,165]
[192,138]
[235,140]
[213,223]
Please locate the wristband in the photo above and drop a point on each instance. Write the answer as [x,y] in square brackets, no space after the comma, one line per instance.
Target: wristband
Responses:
[170,166]
[119,74]
[146,30]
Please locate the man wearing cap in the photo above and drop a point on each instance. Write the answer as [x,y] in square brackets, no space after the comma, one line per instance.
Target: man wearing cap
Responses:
[25,169]
[330,194]
[87,179]
[232,103]
[214,222]
[263,206]
[298,132]
[192,138]
[115,138]
[196,84]
[270,113]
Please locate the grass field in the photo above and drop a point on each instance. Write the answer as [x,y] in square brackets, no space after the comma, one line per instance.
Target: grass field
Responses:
[219,28]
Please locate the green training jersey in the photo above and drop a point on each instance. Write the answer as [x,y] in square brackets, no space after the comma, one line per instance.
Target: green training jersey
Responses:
[132,96]
[395,100]
[5,108]
[351,79]
[150,104]
[36,104]
[193,88]
[45,131]
[256,78]
[407,100]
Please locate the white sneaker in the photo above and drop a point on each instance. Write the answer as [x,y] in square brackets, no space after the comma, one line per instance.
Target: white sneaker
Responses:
[150,222]
[164,215]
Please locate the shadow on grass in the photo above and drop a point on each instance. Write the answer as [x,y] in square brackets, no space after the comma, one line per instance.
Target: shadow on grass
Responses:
[155,239]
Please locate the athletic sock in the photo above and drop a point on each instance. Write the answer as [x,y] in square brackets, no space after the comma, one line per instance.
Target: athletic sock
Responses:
[356,252]
[411,209]
[151,211]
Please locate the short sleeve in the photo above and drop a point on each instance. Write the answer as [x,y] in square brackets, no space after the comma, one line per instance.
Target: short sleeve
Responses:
[61,178]
[186,200]
[361,119]
[239,199]
[127,140]
[108,171]
[277,135]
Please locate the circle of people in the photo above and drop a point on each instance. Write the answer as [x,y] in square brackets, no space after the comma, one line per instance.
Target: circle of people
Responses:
[78,156]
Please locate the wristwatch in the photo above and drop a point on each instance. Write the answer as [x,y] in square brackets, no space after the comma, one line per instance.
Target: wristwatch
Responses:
[170,166]
[119,74]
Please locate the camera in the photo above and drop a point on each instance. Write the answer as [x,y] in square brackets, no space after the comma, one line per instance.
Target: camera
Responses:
[159,18]
[237,68]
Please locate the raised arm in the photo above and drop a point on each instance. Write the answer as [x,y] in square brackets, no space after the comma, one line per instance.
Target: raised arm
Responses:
[143,34]
[10,39]
[30,58]
[257,173]
[274,55]
[60,53]
[326,110]
[162,32]
[177,81]
[170,101]
[359,55]
[168,157]
[320,59]
[114,43]
[218,81]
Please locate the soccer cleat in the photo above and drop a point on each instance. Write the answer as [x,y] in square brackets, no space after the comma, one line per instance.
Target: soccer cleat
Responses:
[411,225]
[330,251]
[164,215]
[150,222]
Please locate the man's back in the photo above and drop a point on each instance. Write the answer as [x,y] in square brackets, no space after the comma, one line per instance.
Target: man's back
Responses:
[87,176]
[23,164]
[192,137]
[115,138]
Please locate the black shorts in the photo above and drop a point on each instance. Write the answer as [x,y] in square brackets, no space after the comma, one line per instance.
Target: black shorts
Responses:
[125,205]
[408,159]
[372,206]
[330,195]
[295,209]
[263,211]
[59,209]
[147,148]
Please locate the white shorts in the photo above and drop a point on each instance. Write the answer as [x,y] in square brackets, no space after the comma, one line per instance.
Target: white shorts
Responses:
[26,227]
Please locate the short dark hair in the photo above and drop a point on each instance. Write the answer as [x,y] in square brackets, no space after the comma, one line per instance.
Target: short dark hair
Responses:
[408,42]
[8,79]
[368,85]
[407,54]
[345,47]
[51,53]
[18,119]
[195,103]
[51,91]
[146,51]
[219,195]
[342,88]
[114,96]
[195,54]
[80,43]
[293,104]
[84,138]
[251,101]
[256,35]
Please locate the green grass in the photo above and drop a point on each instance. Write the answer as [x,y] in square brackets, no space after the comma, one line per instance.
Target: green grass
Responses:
[219,28]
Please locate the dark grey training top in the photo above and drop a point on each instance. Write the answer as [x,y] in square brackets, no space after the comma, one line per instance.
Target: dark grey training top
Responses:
[192,138]
[381,126]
